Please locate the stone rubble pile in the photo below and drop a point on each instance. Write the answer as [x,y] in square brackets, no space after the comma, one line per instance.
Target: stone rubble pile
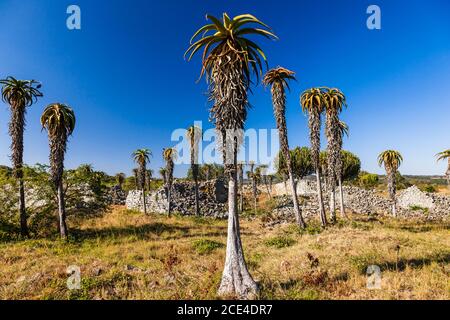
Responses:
[213,196]
[411,203]
[116,196]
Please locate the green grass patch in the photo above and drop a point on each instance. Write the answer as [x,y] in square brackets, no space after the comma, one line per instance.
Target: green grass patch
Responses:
[205,246]
[280,242]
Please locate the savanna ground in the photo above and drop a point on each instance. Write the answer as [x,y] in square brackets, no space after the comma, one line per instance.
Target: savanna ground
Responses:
[127,255]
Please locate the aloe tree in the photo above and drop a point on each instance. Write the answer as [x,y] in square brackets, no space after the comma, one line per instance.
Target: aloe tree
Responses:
[120,179]
[142,157]
[59,121]
[136,178]
[148,179]
[240,169]
[253,178]
[169,155]
[391,160]
[335,101]
[313,103]
[194,134]
[229,60]
[342,130]
[264,176]
[19,94]
[162,173]
[278,79]
[443,156]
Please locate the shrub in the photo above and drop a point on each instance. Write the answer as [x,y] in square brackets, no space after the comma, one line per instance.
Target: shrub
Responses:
[429,188]
[280,242]
[204,246]
[367,180]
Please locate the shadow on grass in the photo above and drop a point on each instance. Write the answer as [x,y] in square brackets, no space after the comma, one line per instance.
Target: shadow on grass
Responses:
[141,232]
[400,265]
[171,232]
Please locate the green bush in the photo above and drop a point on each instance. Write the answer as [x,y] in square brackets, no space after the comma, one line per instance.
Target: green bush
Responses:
[368,180]
[280,242]
[205,246]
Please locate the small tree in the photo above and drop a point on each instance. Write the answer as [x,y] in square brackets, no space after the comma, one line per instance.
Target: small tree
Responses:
[142,157]
[169,156]
[59,121]
[391,160]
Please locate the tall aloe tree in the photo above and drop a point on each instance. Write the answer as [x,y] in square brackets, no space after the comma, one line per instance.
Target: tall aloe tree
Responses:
[278,79]
[148,179]
[162,173]
[142,157]
[229,60]
[136,178]
[253,178]
[240,169]
[343,130]
[443,156]
[194,134]
[59,121]
[120,179]
[313,103]
[169,155]
[19,94]
[335,101]
[391,160]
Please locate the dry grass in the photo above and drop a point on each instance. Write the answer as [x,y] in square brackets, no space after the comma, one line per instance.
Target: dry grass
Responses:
[126,255]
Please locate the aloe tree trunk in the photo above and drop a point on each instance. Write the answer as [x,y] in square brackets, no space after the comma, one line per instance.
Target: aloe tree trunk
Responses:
[241,188]
[255,193]
[323,217]
[16,129]
[236,278]
[62,212]
[448,174]
[392,191]
[341,196]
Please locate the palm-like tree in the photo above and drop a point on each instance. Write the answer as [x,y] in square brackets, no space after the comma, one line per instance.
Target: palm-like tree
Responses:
[169,155]
[142,157]
[120,179]
[391,160]
[162,173]
[194,134]
[240,169]
[19,94]
[442,156]
[278,78]
[343,130]
[229,60]
[136,178]
[253,178]
[335,101]
[59,121]
[148,179]
[313,103]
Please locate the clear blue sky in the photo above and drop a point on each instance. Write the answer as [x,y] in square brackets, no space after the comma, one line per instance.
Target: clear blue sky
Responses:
[125,76]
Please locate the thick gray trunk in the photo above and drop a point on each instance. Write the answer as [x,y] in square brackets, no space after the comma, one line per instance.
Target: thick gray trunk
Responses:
[323,217]
[236,280]
[169,200]
[22,210]
[332,204]
[62,212]
[341,196]
[297,211]
[144,201]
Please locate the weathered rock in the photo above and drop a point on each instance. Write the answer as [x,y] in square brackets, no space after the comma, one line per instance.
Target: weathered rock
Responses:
[213,197]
